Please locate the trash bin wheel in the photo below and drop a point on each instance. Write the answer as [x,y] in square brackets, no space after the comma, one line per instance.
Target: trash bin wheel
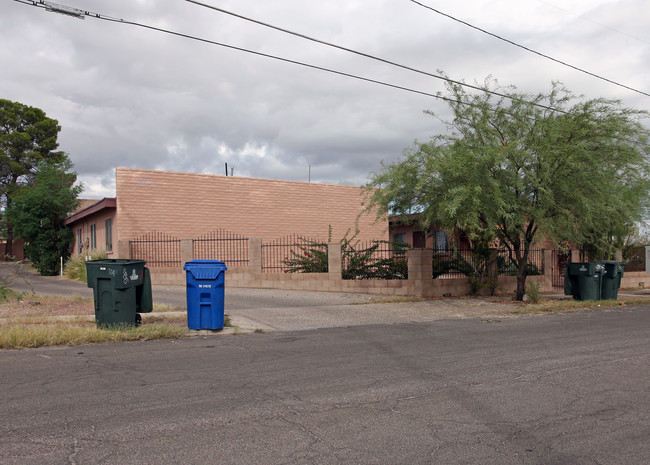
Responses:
[138,320]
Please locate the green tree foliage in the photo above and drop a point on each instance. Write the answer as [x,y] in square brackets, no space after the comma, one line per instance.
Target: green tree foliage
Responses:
[38,212]
[27,139]
[551,165]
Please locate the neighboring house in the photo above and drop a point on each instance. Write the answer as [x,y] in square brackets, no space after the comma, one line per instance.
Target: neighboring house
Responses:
[18,247]
[407,230]
[189,206]
[93,227]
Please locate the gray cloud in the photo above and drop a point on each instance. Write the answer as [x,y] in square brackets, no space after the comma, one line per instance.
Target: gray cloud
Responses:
[128,96]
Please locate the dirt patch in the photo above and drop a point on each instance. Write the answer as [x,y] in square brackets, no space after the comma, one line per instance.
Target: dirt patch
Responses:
[46,306]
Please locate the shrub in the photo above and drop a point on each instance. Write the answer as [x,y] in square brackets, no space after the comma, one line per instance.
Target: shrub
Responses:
[75,267]
[356,264]
[533,291]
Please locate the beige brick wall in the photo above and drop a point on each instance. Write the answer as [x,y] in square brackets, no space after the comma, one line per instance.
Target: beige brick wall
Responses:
[189,205]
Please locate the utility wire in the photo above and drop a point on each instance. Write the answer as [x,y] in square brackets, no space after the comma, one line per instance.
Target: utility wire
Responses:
[594,22]
[366,55]
[527,49]
[45,4]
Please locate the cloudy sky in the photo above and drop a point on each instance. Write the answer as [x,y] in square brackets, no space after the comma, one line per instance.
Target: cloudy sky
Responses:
[135,97]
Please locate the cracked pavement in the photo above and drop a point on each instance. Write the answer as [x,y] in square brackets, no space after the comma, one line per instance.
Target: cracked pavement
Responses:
[552,389]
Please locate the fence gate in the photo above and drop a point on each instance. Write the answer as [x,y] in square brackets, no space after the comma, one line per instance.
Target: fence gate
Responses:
[559,264]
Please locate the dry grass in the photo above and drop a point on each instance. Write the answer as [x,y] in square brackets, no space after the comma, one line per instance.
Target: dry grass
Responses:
[390,300]
[35,321]
[33,305]
[70,333]
[554,306]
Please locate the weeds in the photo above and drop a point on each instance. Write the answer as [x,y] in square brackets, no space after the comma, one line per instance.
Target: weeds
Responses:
[391,300]
[39,321]
[22,336]
[533,291]
[555,306]
[75,267]
[8,294]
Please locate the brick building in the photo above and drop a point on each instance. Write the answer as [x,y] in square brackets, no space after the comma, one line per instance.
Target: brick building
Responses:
[187,206]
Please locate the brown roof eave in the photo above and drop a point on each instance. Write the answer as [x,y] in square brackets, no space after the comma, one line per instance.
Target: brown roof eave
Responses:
[105,203]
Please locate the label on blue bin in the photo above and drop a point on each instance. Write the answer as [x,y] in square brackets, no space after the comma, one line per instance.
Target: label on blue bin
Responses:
[205,286]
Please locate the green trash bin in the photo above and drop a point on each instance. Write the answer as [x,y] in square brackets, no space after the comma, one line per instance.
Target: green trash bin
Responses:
[584,279]
[611,282]
[121,291]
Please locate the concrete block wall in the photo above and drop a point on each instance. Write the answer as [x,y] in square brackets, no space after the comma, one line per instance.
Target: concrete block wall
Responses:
[635,280]
[420,282]
[187,205]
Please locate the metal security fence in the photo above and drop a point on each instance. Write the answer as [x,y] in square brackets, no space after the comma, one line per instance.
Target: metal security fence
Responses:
[293,252]
[456,263]
[560,260]
[222,245]
[634,259]
[508,268]
[374,260]
[157,249]
[459,263]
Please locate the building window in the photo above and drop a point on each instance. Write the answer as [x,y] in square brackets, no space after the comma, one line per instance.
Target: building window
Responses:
[418,240]
[93,237]
[399,243]
[80,243]
[109,236]
[440,238]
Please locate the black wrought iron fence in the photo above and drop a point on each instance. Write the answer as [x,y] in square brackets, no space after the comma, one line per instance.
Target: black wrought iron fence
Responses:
[294,253]
[459,263]
[157,249]
[634,259]
[222,245]
[560,260]
[507,267]
[452,263]
[374,260]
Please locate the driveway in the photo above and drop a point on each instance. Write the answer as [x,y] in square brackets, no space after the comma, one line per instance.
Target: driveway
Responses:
[274,310]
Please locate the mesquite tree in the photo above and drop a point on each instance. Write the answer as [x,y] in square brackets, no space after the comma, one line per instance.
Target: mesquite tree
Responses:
[519,167]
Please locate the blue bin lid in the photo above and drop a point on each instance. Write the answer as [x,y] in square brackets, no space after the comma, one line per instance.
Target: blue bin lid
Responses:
[205,269]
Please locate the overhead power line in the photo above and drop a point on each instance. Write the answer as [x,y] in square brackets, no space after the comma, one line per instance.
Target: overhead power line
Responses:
[527,48]
[366,55]
[81,13]
[48,6]
[594,22]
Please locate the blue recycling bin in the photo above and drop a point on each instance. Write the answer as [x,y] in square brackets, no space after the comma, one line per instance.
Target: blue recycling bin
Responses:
[205,294]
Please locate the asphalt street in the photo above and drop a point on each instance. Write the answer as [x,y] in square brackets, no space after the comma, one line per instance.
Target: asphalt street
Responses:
[440,382]
[554,389]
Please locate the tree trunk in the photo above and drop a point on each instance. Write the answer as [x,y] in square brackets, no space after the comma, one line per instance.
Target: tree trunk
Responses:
[9,247]
[521,280]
